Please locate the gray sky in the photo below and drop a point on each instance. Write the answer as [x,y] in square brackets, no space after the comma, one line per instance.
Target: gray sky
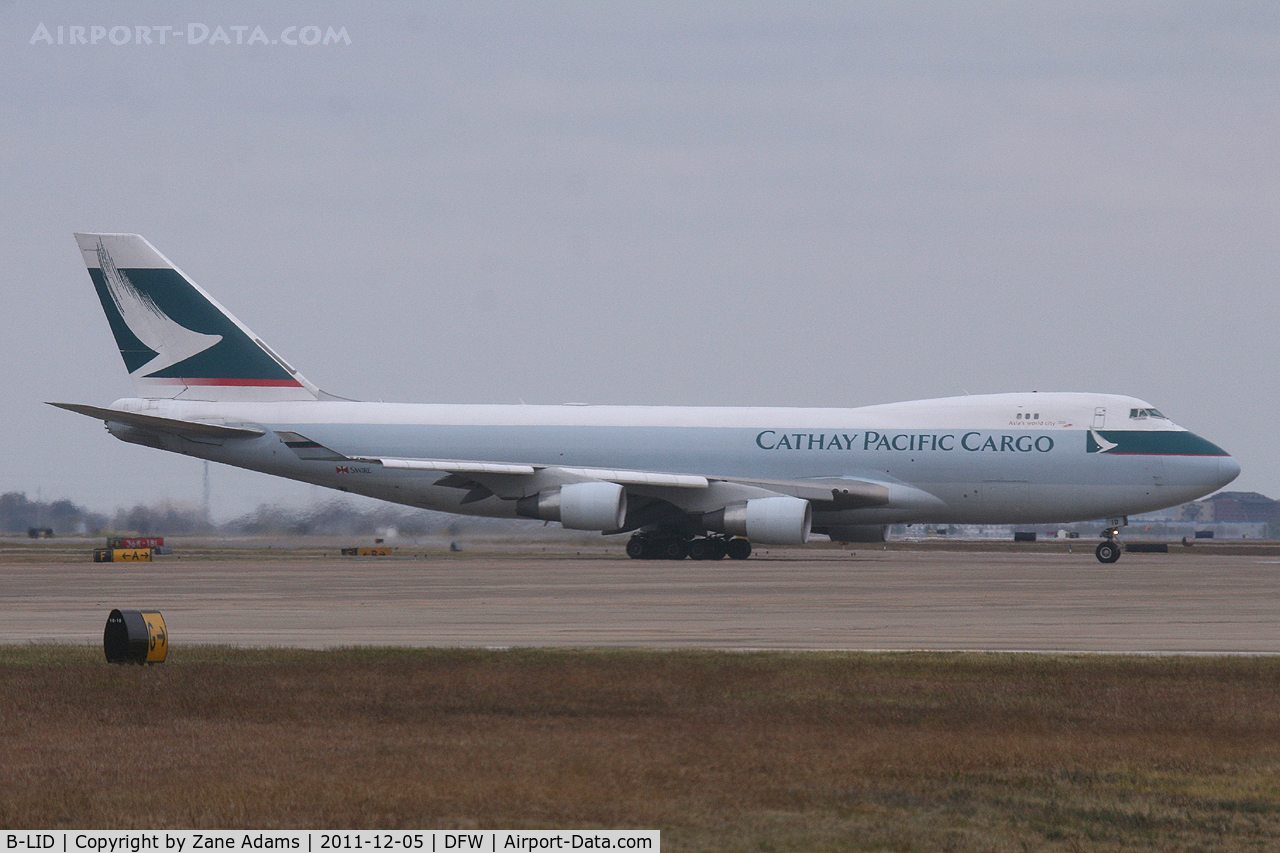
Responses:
[736,203]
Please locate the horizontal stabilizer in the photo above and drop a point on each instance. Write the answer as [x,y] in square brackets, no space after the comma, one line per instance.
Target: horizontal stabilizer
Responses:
[155,423]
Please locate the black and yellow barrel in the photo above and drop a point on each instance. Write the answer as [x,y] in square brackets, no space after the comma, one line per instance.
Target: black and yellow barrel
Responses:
[135,636]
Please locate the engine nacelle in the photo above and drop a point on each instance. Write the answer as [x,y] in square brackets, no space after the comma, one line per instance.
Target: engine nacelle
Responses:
[594,505]
[769,521]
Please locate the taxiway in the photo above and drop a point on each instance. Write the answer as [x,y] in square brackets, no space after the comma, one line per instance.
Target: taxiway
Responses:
[869,599]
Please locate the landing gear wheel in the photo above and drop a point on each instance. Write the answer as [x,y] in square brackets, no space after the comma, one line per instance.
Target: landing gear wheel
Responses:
[649,547]
[738,549]
[1108,551]
[711,548]
[672,549]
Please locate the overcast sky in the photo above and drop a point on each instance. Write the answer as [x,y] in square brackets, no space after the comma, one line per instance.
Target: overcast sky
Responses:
[718,203]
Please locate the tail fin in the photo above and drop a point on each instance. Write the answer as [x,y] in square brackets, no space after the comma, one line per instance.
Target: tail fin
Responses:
[175,339]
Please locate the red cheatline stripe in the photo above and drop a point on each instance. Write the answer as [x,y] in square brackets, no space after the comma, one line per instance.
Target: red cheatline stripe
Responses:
[1178,455]
[255,383]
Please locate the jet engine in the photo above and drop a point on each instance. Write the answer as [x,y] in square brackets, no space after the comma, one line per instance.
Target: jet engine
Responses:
[594,505]
[769,521]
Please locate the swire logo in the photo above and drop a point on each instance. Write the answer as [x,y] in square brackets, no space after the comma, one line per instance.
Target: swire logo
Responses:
[171,342]
[191,34]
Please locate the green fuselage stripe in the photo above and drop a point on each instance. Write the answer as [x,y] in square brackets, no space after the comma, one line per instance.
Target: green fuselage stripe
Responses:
[1155,443]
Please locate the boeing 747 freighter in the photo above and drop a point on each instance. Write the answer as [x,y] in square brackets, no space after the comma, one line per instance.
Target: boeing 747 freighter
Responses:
[696,482]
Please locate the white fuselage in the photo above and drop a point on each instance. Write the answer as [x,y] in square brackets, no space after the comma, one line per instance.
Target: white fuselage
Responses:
[1005,458]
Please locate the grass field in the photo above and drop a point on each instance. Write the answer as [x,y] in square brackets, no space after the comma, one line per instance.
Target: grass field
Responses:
[721,751]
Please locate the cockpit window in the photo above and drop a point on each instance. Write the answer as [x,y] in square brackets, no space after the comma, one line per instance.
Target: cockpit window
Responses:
[1137,414]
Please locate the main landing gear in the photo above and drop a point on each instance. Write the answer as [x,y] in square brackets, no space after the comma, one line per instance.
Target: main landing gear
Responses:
[649,546]
[1109,549]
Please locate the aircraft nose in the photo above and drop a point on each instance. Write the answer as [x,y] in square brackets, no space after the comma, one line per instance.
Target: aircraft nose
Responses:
[1228,470]
[1205,469]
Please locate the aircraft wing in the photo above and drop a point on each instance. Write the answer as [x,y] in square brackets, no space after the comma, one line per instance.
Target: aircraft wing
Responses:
[155,423]
[687,492]
[516,480]
[826,492]
[625,478]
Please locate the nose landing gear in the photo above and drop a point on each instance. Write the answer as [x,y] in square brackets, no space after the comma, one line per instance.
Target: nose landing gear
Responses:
[1109,549]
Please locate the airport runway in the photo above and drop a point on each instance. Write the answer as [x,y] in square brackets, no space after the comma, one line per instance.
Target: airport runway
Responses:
[868,599]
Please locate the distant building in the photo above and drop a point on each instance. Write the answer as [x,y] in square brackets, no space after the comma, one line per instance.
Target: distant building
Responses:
[1229,508]
[1226,515]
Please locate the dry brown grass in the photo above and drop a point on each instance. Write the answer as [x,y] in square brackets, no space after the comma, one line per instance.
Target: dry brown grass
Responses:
[776,751]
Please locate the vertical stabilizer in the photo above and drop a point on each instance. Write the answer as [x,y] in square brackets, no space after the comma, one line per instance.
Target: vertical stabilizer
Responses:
[175,339]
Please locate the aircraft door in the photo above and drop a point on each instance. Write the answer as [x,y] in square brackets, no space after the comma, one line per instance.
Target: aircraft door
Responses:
[1153,467]
[1099,417]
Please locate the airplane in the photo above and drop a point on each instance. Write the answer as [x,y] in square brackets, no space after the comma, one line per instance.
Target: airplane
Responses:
[697,482]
